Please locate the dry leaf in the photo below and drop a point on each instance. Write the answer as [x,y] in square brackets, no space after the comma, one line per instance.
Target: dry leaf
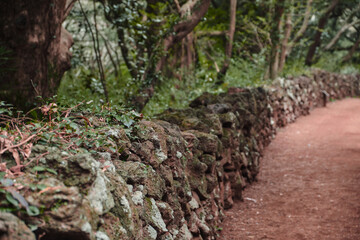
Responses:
[26,150]
[16,156]
[3,167]
[45,109]
[51,108]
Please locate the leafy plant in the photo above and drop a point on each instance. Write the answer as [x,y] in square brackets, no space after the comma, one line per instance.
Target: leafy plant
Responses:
[6,109]
[12,200]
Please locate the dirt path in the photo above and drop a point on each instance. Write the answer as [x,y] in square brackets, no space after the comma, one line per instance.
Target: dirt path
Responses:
[309,182]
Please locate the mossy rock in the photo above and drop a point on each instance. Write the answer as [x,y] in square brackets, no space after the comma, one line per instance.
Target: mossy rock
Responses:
[213,123]
[198,184]
[13,228]
[208,143]
[209,160]
[196,166]
[136,173]
[204,100]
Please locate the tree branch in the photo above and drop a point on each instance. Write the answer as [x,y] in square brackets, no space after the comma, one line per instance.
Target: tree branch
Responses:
[182,29]
[339,33]
[185,27]
[317,37]
[187,7]
[201,34]
[305,23]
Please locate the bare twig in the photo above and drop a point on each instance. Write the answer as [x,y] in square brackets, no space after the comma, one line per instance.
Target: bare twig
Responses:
[18,145]
[36,159]
[110,56]
[96,49]
[68,111]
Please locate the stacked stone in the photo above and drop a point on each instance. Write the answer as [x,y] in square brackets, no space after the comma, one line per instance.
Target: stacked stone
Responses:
[179,172]
[227,134]
[293,97]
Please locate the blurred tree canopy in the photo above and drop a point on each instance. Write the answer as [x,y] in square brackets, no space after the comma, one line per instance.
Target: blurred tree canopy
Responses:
[150,55]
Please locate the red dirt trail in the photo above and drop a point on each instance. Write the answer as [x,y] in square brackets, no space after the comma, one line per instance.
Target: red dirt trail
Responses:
[309,181]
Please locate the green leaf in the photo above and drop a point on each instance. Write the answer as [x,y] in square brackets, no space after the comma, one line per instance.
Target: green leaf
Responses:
[43,169]
[38,169]
[128,122]
[41,186]
[7,209]
[73,125]
[32,186]
[51,171]
[79,142]
[11,200]
[32,211]
[2,175]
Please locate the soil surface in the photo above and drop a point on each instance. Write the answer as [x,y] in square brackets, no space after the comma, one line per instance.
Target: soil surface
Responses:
[309,181]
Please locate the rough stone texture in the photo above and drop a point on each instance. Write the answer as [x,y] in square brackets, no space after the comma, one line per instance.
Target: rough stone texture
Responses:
[13,228]
[181,172]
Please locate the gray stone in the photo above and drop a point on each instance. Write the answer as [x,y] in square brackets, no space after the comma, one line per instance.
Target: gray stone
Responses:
[99,196]
[138,198]
[101,236]
[13,228]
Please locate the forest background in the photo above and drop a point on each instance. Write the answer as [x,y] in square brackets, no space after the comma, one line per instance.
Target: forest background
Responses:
[149,55]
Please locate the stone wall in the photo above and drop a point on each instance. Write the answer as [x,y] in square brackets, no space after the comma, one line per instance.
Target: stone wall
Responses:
[178,174]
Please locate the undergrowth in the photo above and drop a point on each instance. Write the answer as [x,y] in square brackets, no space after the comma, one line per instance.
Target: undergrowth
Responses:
[80,84]
[82,127]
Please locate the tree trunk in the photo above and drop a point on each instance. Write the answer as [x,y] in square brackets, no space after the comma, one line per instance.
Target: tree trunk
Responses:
[284,44]
[275,38]
[352,50]
[39,46]
[303,27]
[229,42]
[125,54]
[317,38]
[181,30]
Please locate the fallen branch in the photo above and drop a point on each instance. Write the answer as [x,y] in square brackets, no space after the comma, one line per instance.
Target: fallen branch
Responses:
[18,145]
[37,159]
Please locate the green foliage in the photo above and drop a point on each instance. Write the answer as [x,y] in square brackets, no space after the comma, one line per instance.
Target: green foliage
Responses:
[134,30]
[177,94]
[82,84]
[13,201]
[80,128]
[295,67]
[5,108]
[43,169]
[139,40]
[245,73]
[84,127]
[333,62]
